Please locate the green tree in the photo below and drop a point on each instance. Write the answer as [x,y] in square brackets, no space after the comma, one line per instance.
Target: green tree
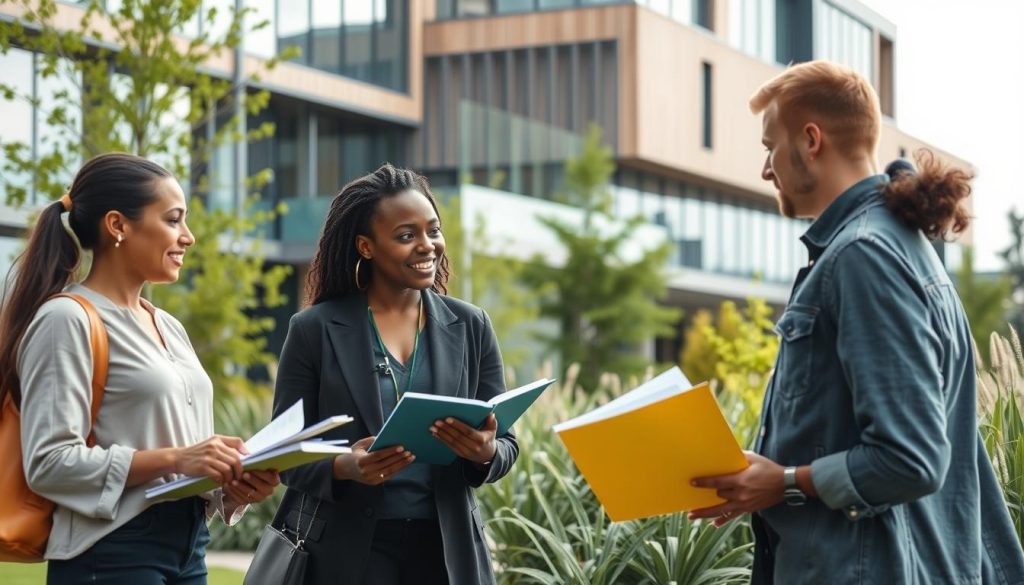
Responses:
[737,353]
[131,84]
[605,304]
[488,279]
[1014,257]
[985,301]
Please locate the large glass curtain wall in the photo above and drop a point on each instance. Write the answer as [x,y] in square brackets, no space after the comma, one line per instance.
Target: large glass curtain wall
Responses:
[714,231]
[362,39]
[686,11]
[313,154]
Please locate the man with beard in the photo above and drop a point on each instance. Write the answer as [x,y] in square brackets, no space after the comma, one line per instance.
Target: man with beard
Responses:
[868,466]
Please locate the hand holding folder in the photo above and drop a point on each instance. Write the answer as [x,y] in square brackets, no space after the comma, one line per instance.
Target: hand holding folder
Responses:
[640,451]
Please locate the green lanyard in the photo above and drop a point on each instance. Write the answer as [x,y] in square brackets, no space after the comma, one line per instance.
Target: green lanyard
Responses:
[387,360]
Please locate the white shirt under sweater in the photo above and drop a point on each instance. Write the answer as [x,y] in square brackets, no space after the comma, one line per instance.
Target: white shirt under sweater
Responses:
[155,397]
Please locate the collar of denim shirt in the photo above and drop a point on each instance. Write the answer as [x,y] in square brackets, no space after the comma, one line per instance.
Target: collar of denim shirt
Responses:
[863,194]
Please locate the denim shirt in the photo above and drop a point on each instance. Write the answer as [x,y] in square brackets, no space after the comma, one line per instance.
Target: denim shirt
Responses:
[874,387]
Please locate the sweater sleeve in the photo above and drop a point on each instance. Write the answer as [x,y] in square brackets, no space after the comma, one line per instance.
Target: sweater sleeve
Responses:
[55,369]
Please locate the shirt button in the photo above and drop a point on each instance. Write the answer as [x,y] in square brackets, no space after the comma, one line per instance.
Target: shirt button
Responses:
[763,431]
[368,511]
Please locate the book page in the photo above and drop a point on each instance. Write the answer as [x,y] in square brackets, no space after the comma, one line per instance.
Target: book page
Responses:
[510,394]
[657,388]
[285,426]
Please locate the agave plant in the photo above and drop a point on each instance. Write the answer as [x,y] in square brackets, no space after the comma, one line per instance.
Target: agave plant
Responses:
[546,526]
[681,552]
[1001,406]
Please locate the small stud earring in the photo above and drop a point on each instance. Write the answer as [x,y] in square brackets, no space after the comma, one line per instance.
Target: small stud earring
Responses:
[117,244]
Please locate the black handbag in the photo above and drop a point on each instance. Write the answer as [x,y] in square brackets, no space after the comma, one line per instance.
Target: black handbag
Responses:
[278,560]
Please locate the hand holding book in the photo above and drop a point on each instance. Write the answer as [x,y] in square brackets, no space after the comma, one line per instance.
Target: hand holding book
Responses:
[476,445]
[371,468]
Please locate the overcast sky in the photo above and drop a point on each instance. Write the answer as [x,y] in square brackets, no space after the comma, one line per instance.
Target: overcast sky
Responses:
[960,86]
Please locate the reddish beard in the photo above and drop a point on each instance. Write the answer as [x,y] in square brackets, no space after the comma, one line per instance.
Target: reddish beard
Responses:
[803,183]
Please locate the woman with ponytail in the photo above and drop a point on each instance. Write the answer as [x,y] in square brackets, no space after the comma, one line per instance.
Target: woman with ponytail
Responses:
[156,415]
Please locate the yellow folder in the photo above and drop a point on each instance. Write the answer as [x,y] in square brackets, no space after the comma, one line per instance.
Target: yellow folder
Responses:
[639,455]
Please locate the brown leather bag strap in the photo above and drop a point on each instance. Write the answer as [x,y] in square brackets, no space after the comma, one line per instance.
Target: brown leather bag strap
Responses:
[100,358]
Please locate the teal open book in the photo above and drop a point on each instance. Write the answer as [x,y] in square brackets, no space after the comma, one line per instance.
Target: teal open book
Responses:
[409,424]
[282,444]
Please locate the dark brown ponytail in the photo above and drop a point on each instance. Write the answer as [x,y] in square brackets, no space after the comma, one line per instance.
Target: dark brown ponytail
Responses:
[930,199]
[109,182]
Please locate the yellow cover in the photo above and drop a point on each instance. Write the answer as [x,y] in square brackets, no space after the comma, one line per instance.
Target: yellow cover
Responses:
[640,462]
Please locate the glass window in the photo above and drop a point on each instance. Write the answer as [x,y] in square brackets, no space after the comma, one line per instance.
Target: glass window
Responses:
[328,156]
[358,57]
[551,4]
[391,58]
[752,27]
[325,49]
[682,10]
[327,13]
[59,117]
[16,122]
[472,8]
[845,39]
[286,152]
[357,13]
[260,42]
[293,28]
[356,153]
[510,6]
[224,14]
[173,124]
[627,202]
[710,216]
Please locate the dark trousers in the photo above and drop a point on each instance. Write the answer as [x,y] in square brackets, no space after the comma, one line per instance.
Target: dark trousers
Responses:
[406,552]
[164,545]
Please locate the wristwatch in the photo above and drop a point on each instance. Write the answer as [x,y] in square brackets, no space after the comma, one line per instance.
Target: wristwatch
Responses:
[792,494]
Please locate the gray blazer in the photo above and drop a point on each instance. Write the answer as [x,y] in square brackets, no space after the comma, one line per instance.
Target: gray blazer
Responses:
[327,360]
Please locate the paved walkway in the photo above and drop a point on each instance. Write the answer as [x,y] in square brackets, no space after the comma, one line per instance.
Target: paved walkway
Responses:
[237,560]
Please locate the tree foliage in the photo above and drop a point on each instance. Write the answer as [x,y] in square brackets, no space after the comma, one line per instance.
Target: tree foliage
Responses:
[985,302]
[605,303]
[1014,257]
[737,352]
[127,81]
[487,278]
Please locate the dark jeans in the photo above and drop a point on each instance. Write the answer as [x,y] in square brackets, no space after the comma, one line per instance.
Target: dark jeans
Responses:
[406,552]
[164,545]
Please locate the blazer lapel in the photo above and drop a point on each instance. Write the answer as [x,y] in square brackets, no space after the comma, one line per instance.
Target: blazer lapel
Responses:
[447,347]
[350,340]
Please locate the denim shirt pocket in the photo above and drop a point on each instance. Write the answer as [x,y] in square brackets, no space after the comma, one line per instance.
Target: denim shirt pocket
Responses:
[793,370]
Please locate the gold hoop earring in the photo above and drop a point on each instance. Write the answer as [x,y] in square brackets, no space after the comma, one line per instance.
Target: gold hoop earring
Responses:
[358,264]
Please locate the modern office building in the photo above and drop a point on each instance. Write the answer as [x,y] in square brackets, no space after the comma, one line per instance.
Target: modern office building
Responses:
[489,98]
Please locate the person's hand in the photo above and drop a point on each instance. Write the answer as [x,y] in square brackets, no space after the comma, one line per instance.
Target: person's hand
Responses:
[757,487]
[218,458]
[254,486]
[476,445]
[371,468]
